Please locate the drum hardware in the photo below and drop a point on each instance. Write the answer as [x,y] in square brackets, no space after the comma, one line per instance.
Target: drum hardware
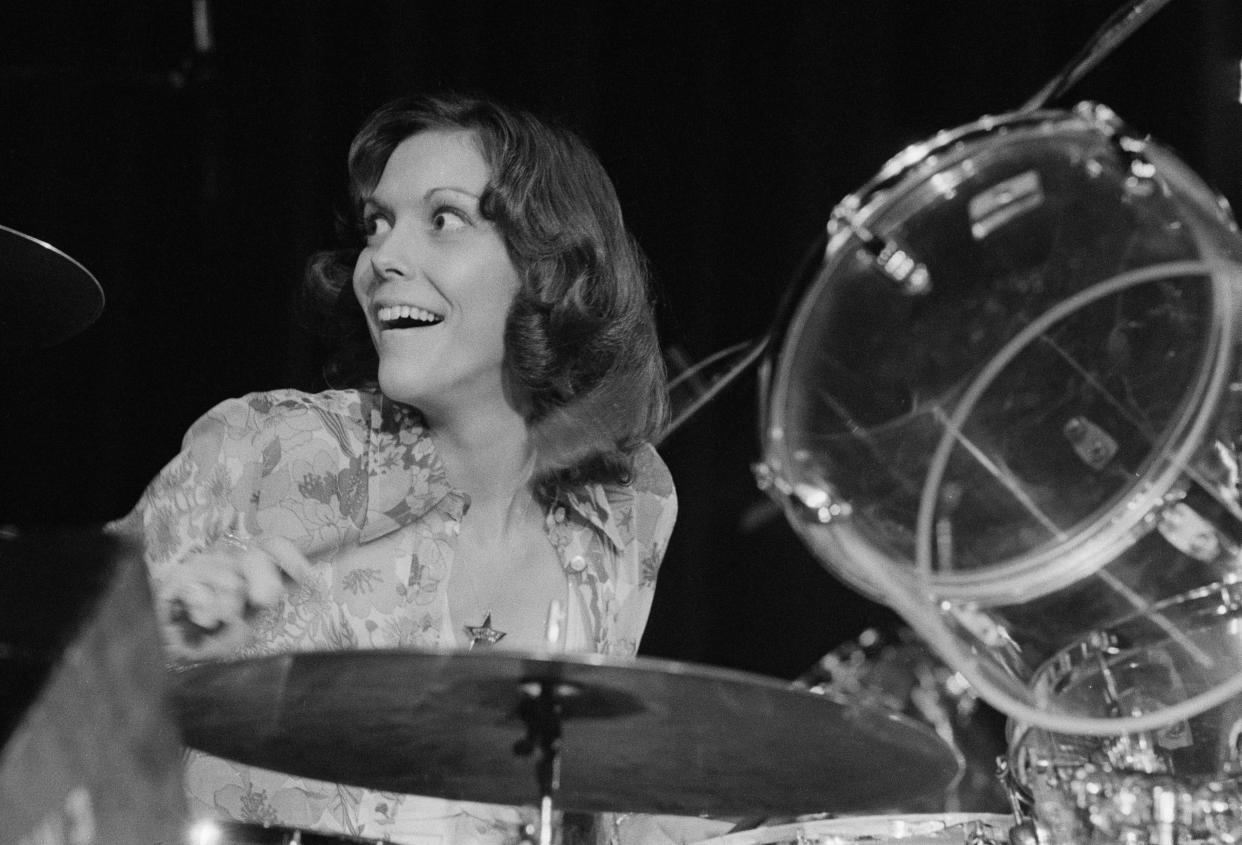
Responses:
[896,263]
[815,504]
[541,708]
[1119,26]
[637,735]
[695,385]
[1100,804]
[1025,830]
[1092,444]
[1120,789]
[1129,147]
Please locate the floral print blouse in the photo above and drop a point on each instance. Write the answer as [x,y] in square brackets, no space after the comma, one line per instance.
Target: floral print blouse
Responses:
[354,480]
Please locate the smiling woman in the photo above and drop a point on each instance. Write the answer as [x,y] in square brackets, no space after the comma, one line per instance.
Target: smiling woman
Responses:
[482,468]
[581,351]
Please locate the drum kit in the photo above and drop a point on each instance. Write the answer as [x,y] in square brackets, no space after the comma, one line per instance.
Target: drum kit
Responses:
[1003,398]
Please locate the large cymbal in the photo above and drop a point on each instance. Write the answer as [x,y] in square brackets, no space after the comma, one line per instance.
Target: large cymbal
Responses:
[45,296]
[640,735]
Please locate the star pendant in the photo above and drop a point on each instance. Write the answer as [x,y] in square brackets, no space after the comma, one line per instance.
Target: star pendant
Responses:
[485,633]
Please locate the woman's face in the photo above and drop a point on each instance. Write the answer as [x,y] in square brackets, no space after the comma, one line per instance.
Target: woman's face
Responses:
[434,277]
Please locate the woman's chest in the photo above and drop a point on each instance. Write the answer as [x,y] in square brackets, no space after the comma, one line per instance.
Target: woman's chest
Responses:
[520,585]
[419,586]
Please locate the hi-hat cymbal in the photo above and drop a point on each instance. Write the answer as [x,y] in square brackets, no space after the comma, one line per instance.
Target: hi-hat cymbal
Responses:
[639,735]
[45,296]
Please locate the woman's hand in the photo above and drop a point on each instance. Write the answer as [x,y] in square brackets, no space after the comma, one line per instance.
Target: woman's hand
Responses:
[207,602]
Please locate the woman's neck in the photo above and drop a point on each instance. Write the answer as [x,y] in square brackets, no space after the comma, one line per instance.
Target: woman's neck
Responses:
[488,455]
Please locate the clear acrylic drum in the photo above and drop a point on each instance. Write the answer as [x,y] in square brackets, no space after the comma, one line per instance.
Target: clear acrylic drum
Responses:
[1004,401]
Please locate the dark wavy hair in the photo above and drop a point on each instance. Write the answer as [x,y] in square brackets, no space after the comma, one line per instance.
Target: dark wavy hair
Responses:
[580,338]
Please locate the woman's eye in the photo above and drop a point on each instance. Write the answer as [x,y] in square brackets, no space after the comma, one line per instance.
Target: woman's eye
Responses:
[448,220]
[374,224]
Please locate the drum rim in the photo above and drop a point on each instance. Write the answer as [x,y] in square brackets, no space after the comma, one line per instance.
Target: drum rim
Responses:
[238,826]
[1089,649]
[838,825]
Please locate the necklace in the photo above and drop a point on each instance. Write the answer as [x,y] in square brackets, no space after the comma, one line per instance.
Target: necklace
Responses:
[485,633]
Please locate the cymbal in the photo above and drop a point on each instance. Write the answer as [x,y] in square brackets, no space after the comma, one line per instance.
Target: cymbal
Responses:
[45,296]
[639,735]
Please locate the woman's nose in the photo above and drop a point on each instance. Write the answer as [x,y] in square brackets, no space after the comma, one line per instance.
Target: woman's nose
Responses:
[393,258]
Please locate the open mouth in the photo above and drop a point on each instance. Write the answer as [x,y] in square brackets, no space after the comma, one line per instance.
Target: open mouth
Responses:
[406,317]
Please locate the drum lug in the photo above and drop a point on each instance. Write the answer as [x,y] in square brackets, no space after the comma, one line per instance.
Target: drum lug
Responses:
[889,257]
[1132,149]
[809,503]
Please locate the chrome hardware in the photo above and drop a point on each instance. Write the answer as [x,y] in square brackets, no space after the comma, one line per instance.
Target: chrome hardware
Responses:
[889,257]
[1093,445]
[809,503]
[1132,149]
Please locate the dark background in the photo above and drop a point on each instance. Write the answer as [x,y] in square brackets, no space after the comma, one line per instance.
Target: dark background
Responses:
[195,186]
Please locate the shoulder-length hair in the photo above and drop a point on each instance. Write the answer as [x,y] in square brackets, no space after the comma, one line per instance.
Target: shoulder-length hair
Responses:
[581,349]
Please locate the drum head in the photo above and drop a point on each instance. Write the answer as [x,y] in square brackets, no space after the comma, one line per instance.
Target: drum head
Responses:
[1065,347]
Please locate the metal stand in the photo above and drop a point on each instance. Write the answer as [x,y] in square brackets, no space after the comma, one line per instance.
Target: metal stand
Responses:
[541,709]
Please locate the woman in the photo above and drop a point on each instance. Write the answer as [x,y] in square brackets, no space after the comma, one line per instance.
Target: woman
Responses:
[490,462]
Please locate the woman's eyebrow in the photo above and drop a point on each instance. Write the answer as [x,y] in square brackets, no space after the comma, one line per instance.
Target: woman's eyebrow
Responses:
[373,201]
[453,188]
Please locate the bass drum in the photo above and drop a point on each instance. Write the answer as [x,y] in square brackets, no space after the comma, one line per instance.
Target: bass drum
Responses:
[1004,400]
[923,829]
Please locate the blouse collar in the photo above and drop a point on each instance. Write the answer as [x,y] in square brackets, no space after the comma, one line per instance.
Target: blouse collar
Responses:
[406,478]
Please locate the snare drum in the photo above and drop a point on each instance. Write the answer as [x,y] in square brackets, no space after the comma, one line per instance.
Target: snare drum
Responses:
[1005,401]
[929,829]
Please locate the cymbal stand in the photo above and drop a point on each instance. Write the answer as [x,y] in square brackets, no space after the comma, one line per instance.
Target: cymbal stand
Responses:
[541,708]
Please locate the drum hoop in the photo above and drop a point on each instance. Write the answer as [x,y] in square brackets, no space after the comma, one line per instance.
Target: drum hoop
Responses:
[866,828]
[1090,649]
[931,154]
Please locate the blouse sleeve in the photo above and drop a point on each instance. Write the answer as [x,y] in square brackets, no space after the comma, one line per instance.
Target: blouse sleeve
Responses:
[209,488]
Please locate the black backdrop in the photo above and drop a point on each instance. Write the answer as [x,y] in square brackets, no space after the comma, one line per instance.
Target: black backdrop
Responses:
[195,186]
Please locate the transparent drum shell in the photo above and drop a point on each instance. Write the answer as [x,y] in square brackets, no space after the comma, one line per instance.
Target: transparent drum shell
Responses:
[1006,403]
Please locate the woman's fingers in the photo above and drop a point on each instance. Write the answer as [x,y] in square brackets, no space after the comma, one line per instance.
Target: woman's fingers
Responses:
[289,559]
[208,599]
[201,609]
[262,577]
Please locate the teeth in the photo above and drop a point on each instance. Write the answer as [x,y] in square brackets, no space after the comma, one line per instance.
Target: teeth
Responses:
[408,312]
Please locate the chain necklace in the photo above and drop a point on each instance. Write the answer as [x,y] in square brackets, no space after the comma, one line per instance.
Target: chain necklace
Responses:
[483,634]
